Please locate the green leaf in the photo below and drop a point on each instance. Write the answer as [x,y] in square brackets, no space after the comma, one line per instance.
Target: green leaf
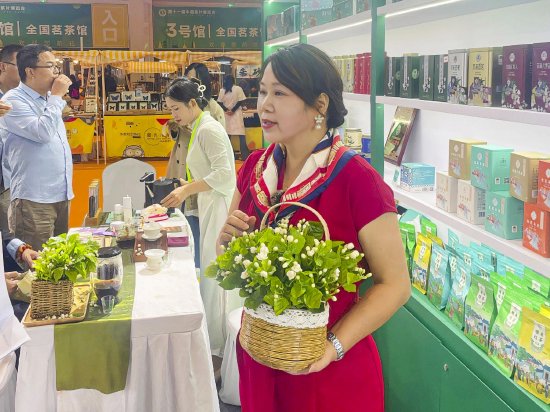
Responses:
[280,305]
[296,291]
[316,230]
[211,271]
[312,298]
[231,281]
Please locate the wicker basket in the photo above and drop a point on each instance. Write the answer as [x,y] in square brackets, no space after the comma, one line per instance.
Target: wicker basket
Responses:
[51,299]
[291,341]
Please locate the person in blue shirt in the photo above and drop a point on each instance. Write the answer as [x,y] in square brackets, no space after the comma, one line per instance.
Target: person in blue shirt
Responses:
[36,155]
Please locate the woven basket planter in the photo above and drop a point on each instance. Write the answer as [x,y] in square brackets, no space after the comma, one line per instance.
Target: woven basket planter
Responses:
[289,342]
[51,299]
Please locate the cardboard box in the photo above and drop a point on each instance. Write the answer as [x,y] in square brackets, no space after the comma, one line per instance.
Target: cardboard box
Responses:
[543,197]
[417,177]
[441,68]
[446,191]
[274,26]
[490,167]
[517,71]
[484,76]
[290,19]
[459,157]
[410,76]
[426,91]
[457,77]
[341,9]
[362,74]
[392,76]
[470,203]
[504,215]
[536,229]
[541,77]
[524,175]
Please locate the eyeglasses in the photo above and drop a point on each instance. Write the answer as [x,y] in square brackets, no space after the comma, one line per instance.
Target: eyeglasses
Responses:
[52,67]
[10,63]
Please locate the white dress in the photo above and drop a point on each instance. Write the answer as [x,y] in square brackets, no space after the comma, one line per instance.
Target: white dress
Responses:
[234,124]
[211,159]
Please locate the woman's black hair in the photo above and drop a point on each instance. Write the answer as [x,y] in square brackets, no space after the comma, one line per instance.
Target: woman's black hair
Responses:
[228,83]
[308,72]
[183,90]
[203,75]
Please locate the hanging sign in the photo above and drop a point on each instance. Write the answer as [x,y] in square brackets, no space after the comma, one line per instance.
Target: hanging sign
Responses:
[60,26]
[235,28]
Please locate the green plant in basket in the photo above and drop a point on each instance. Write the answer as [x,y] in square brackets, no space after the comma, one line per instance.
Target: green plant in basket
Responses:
[288,267]
[65,257]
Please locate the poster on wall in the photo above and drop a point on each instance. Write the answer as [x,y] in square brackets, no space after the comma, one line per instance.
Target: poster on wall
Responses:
[234,28]
[61,26]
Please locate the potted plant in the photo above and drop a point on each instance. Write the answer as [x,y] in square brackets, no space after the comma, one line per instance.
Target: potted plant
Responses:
[63,259]
[287,275]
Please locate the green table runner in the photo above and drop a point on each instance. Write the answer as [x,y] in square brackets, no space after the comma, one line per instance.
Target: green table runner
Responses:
[95,353]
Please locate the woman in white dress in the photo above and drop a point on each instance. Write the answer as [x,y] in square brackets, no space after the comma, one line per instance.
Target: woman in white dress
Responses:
[211,175]
[230,99]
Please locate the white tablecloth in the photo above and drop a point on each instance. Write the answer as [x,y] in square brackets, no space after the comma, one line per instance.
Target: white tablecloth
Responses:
[170,364]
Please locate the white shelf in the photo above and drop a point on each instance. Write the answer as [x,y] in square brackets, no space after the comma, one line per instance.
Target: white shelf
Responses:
[287,40]
[496,113]
[357,97]
[425,204]
[354,25]
[401,14]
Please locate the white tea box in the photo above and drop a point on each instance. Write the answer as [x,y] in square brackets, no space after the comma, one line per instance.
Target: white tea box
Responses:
[446,191]
[470,203]
[417,177]
[524,175]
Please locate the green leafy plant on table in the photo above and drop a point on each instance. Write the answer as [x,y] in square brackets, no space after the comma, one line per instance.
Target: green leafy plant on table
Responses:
[63,259]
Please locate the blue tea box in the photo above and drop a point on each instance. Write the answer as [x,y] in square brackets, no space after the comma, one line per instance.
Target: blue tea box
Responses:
[490,167]
[503,215]
[417,177]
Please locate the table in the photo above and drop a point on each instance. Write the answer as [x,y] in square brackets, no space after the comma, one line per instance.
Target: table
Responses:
[170,364]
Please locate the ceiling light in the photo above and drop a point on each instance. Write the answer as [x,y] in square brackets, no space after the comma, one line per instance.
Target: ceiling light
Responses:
[340,28]
[427,6]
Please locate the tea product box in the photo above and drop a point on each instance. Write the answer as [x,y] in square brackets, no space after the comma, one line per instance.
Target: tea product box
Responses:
[362,74]
[524,175]
[484,76]
[459,157]
[470,203]
[274,26]
[536,229]
[417,177]
[427,87]
[446,191]
[479,312]
[517,71]
[441,64]
[533,356]
[540,82]
[410,76]
[457,77]
[543,197]
[341,9]
[290,19]
[315,12]
[504,215]
[392,76]
[490,167]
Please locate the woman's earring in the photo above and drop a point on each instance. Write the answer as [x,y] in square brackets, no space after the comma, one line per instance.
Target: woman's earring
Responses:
[319,121]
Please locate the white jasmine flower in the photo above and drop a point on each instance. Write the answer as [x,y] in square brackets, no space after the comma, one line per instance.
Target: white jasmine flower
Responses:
[310,253]
[290,238]
[246,263]
[262,255]
[238,258]
[316,242]
[256,265]
[296,267]
[334,298]
[311,275]
[349,246]
[253,249]
[244,275]
[295,240]
[290,274]
[263,274]
[354,254]
[275,249]
[285,265]
[337,274]
[276,296]
[303,256]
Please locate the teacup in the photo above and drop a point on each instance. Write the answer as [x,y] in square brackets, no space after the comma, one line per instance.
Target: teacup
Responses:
[151,230]
[154,258]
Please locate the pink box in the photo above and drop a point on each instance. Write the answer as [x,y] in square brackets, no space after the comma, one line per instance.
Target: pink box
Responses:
[543,198]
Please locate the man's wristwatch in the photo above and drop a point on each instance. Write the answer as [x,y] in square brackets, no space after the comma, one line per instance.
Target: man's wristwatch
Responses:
[337,345]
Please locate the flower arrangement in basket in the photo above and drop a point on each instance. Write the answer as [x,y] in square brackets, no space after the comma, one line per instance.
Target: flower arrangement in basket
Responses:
[63,259]
[287,275]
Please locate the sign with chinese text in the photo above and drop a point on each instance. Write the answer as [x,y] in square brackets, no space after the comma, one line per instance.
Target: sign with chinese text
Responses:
[60,26]
[207,28]
[249,71]
[110,24]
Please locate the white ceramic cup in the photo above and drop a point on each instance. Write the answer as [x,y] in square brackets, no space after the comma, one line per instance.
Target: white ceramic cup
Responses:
[154,258]
[151,230]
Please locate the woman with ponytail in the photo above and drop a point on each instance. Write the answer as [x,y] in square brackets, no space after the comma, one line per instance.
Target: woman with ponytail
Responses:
[210,173]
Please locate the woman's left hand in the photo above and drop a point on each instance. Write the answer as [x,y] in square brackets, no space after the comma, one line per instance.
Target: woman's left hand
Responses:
[328,357]
[176,197]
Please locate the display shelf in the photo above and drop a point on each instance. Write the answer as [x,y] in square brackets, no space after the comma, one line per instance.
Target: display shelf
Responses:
[353,25]
[496,113]
[413,12]
[357,97]
[291,38]
[425,204]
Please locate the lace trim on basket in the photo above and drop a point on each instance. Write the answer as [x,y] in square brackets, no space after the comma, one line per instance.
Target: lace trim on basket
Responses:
[290,318]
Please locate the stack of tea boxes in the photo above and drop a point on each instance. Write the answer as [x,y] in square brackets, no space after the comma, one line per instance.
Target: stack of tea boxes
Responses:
[515,77]
[506,191]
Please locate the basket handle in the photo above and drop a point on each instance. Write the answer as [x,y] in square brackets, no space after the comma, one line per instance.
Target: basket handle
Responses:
[312,210]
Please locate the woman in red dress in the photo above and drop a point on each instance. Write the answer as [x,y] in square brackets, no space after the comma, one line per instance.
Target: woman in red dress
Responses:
[300,105]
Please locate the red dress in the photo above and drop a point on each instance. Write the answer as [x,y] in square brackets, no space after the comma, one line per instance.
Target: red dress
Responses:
[355,197]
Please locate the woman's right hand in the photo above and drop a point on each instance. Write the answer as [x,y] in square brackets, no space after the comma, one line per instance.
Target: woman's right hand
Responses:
[236,223]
